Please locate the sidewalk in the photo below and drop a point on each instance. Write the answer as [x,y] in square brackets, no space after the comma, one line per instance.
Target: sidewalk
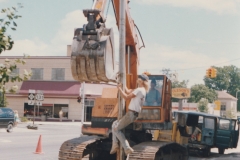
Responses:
[49,122]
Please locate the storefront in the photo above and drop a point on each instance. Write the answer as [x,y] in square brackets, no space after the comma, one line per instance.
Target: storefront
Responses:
[57,96]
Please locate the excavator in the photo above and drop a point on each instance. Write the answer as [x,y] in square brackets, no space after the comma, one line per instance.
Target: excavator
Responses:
[154,135]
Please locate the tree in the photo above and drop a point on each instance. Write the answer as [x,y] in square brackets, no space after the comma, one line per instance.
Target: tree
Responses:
[178,84]
[199,91]
[203,105]
[230,114]
[228,78]
[6,43]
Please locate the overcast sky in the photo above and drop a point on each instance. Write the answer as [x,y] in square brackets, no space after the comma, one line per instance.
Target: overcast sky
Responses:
[186,36]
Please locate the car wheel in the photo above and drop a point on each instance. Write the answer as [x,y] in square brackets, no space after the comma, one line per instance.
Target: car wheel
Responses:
[221,150]
[9,128]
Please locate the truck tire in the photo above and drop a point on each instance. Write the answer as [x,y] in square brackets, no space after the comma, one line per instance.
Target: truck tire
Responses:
[221,150]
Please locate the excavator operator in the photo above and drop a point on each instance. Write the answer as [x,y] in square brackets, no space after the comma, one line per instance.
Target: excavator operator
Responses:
[136,97]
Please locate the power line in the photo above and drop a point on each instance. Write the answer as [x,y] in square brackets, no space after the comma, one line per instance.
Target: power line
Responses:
[208,65]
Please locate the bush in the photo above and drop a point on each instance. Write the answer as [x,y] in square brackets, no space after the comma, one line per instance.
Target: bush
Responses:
[24,119]
[203,105]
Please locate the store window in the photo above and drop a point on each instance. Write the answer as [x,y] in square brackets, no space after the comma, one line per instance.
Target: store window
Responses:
[37,74]
[89,104]
[58,108]
[46,109]
[58,74]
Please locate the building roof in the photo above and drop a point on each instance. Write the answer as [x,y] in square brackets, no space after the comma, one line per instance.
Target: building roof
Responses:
[225,95]
[63,88]
[58,88]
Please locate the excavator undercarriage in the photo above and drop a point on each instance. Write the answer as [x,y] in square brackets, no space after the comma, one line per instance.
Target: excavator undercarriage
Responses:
[98,148]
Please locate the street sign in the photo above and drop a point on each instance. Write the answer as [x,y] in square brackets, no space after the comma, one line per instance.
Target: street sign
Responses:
[39,95]
[31,96]
[31,102]
[181,93]
[39,103]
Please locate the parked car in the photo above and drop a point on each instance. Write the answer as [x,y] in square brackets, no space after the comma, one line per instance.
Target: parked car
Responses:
[206,131]
[7,119]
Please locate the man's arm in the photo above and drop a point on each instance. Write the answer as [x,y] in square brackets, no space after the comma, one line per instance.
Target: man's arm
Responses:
[128,91]
[125,95]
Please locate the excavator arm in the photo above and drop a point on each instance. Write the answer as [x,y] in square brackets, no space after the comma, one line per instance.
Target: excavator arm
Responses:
[93,47]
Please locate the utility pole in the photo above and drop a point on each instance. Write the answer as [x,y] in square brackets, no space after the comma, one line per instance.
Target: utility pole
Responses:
[122,70]
[82,95]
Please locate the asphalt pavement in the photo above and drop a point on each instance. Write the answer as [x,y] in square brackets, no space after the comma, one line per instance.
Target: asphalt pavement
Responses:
[22,142]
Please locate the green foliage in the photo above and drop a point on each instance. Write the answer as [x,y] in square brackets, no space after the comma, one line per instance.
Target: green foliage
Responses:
[24,119]
[203,105]
[7,75]
[3,100]
[230,114]
[228,78]
[178,84]
[200,91]
[6,42]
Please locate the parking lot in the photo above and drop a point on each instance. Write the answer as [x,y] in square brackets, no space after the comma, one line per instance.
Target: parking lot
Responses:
[22,142]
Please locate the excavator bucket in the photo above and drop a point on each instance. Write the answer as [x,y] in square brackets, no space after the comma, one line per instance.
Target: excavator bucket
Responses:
[92,58]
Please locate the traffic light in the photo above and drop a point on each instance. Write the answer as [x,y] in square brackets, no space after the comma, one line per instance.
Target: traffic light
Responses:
[79,99]
[209,73]
[214,73]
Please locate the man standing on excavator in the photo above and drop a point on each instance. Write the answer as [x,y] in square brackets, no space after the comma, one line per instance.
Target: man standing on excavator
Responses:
[137,97]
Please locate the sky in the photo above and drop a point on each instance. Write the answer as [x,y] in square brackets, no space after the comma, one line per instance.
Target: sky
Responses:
[186,36]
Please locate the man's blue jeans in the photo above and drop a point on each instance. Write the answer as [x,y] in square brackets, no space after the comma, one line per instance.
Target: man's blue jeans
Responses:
[118,125]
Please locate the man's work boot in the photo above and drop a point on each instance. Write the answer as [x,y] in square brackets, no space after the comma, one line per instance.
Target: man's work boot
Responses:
[114,148]
[129,151]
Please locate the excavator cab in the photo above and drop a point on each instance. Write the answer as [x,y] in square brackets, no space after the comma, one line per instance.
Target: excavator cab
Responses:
[157,107]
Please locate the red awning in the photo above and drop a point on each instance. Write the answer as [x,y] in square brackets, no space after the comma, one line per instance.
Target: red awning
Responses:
[52,87]
[62,88]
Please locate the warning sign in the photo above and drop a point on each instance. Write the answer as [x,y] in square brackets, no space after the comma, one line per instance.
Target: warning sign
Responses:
[181,93]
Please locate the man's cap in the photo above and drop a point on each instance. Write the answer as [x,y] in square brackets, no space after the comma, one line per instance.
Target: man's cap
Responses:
[144,77]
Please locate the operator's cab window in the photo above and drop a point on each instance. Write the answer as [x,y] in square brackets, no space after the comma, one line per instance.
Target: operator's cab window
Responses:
[154,94]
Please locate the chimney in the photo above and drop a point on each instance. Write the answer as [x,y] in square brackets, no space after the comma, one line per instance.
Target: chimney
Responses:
[69,50]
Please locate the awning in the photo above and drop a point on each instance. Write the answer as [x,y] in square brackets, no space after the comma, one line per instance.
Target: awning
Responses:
[52,87]
[61,88]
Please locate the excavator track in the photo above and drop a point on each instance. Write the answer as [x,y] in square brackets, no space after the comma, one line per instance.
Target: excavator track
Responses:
[77,148]
[156,150]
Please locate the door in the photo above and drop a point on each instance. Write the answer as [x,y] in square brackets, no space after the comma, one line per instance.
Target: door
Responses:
[235,133]
[208,130]
[224,134]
